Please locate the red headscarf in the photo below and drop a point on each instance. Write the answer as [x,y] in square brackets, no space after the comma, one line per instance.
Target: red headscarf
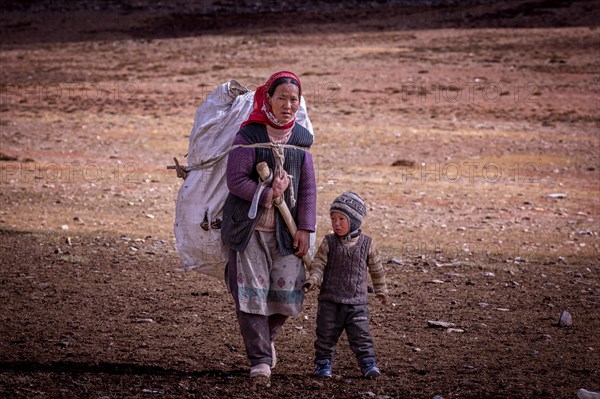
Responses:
[261,110]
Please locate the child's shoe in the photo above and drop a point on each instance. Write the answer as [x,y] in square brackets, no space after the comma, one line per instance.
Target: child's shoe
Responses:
[369,369]
[323,368]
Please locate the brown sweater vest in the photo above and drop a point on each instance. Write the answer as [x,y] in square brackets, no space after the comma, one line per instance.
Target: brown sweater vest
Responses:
[345,276]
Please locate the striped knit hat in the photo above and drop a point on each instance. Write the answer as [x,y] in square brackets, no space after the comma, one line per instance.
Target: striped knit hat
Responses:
[351,205]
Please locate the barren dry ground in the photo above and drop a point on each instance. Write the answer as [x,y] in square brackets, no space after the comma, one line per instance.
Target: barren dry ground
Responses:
[472,131]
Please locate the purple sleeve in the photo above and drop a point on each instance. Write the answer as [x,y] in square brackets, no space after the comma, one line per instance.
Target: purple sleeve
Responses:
[239,174]
[307,196]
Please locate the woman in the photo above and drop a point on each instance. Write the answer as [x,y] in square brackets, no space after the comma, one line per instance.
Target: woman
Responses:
[265,272]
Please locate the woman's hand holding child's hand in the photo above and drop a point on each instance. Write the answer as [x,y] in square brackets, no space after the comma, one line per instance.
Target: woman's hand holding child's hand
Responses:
[309,285]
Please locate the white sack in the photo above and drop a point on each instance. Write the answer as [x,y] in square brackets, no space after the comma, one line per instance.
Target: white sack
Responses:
[203,192]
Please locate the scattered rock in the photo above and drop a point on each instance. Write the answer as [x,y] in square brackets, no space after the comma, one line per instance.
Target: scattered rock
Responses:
[488,274]
[502,309]
[455,330]
[440,324]
[435,281]
[66,341]
[144,321]
[565,319]
[556,196]
[396,262]
[403,162]
[4,157]
[585,394]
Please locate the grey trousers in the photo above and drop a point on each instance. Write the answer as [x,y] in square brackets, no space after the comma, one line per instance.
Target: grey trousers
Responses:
[332,320]
[258,331]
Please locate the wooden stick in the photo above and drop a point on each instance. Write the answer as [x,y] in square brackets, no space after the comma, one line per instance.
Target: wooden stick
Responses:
[263,171]
[182,172]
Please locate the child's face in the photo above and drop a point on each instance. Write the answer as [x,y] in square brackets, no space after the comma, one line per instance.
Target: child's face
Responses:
[340,224]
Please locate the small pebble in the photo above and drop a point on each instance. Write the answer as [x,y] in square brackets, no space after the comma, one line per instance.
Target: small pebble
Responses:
[565,319]
[144,321]
[556,195]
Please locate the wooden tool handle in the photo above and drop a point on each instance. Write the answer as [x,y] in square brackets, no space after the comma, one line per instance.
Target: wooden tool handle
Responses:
[263,171]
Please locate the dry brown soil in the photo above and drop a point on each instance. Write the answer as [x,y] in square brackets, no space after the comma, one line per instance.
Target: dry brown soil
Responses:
[457,124]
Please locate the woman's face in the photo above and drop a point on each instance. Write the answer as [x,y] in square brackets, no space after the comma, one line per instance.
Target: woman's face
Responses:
[285,102]
[340,223]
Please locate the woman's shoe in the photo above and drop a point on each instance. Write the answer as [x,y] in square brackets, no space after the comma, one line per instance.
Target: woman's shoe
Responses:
[260,370]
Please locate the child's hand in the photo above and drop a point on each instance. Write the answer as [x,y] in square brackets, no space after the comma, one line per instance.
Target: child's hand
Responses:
[383,298]
[309,284]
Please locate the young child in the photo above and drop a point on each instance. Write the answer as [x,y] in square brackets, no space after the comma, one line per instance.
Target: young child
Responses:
[340,266]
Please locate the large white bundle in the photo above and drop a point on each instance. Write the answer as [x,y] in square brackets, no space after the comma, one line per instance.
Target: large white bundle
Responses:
[199,207]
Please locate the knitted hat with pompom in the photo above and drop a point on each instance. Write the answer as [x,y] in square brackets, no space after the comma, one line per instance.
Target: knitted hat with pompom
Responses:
[351,205]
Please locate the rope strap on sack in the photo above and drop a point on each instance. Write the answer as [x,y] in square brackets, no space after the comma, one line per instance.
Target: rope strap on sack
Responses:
[278,148]
[278,154]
